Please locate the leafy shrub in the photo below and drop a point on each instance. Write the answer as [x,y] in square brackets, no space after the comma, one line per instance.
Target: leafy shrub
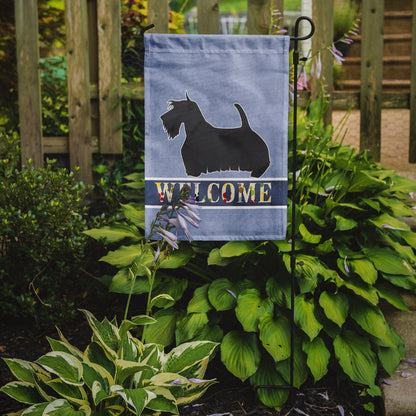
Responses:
[41,244]
[351,253]
[116,373]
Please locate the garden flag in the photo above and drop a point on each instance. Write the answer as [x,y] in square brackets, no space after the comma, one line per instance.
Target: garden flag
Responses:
[216,116]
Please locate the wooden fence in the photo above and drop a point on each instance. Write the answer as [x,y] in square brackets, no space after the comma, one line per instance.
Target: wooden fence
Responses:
[94,73]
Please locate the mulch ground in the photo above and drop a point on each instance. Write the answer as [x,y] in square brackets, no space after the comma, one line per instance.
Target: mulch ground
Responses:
[230,397]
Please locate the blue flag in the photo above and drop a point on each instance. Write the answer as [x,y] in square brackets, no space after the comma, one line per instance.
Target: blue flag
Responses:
[216,117]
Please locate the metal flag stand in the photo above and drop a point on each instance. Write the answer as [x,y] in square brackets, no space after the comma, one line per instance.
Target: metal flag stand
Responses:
[296,60]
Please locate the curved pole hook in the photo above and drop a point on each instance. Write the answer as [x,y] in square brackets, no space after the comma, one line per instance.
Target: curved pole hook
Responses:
[308,36]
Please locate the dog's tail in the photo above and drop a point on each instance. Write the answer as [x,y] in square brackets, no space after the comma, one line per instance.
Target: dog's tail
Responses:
[244,120]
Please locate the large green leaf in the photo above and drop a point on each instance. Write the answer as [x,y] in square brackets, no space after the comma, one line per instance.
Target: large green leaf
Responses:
[275,336]
[318,357]
[370,319]
[356,358]
[64,365]
[300,368]
[23,391]
[362,289]
[306,270]
[136,216]
[240,354]
[163,331]
[344,224]
[363,181]
[266,375]
[250,307]
[199,302]
[237,248]
[171,286]
[220,294]
[190,326]
[316,213]
[389,293]
[365,269]
[335,306]
[309,237]
[177,258]
[389,358]
[115,232]
[387,261]
[405,282]
[125,255]
[389,222]
[122,282]
[305,316]
[279,291]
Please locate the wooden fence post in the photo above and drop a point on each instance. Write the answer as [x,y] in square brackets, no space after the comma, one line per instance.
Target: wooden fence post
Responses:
[208,16]
[30,107]
[323,16]
[371,76]
[412,138]
[79,106]
[259,15]
[158,14]
[109,75]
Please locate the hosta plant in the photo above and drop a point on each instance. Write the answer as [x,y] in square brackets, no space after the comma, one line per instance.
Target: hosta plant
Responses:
[115,375]
[352,253]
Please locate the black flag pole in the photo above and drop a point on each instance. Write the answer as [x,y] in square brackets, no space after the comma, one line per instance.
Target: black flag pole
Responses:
[296,38]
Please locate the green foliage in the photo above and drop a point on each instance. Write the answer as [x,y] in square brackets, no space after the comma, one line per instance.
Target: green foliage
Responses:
[351,252]
[116,373]
[41,244]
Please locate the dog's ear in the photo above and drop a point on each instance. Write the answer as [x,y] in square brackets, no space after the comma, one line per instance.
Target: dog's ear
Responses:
[187,96]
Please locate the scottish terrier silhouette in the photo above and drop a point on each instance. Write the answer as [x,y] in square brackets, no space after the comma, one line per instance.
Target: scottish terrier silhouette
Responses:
[209,149]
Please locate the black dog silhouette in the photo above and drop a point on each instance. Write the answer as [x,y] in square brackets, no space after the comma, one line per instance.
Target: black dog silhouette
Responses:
[209,149]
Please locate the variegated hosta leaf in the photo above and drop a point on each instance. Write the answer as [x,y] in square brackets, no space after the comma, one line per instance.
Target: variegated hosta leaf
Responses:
[131,348]
[24,370]
[137,399]
[318,357]
[96,354]
[183,389]
[74,394]
[106,333]
[240,353]
[275,336]
[114,410]
[356,357]
[61,407]
[163,402]
[64,346]
[250,307]
[35,410]
[190,359]
[266,375]
[23,391]
[93,374]
[128,368]
[64,365]
[152,356]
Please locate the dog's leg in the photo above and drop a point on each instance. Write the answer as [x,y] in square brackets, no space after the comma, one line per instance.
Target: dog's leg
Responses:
[258,172]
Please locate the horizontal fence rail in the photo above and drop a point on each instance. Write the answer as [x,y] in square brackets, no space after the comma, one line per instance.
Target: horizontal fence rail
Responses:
[95,90]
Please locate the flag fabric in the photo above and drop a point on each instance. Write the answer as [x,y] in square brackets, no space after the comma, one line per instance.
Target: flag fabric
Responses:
[216,119]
